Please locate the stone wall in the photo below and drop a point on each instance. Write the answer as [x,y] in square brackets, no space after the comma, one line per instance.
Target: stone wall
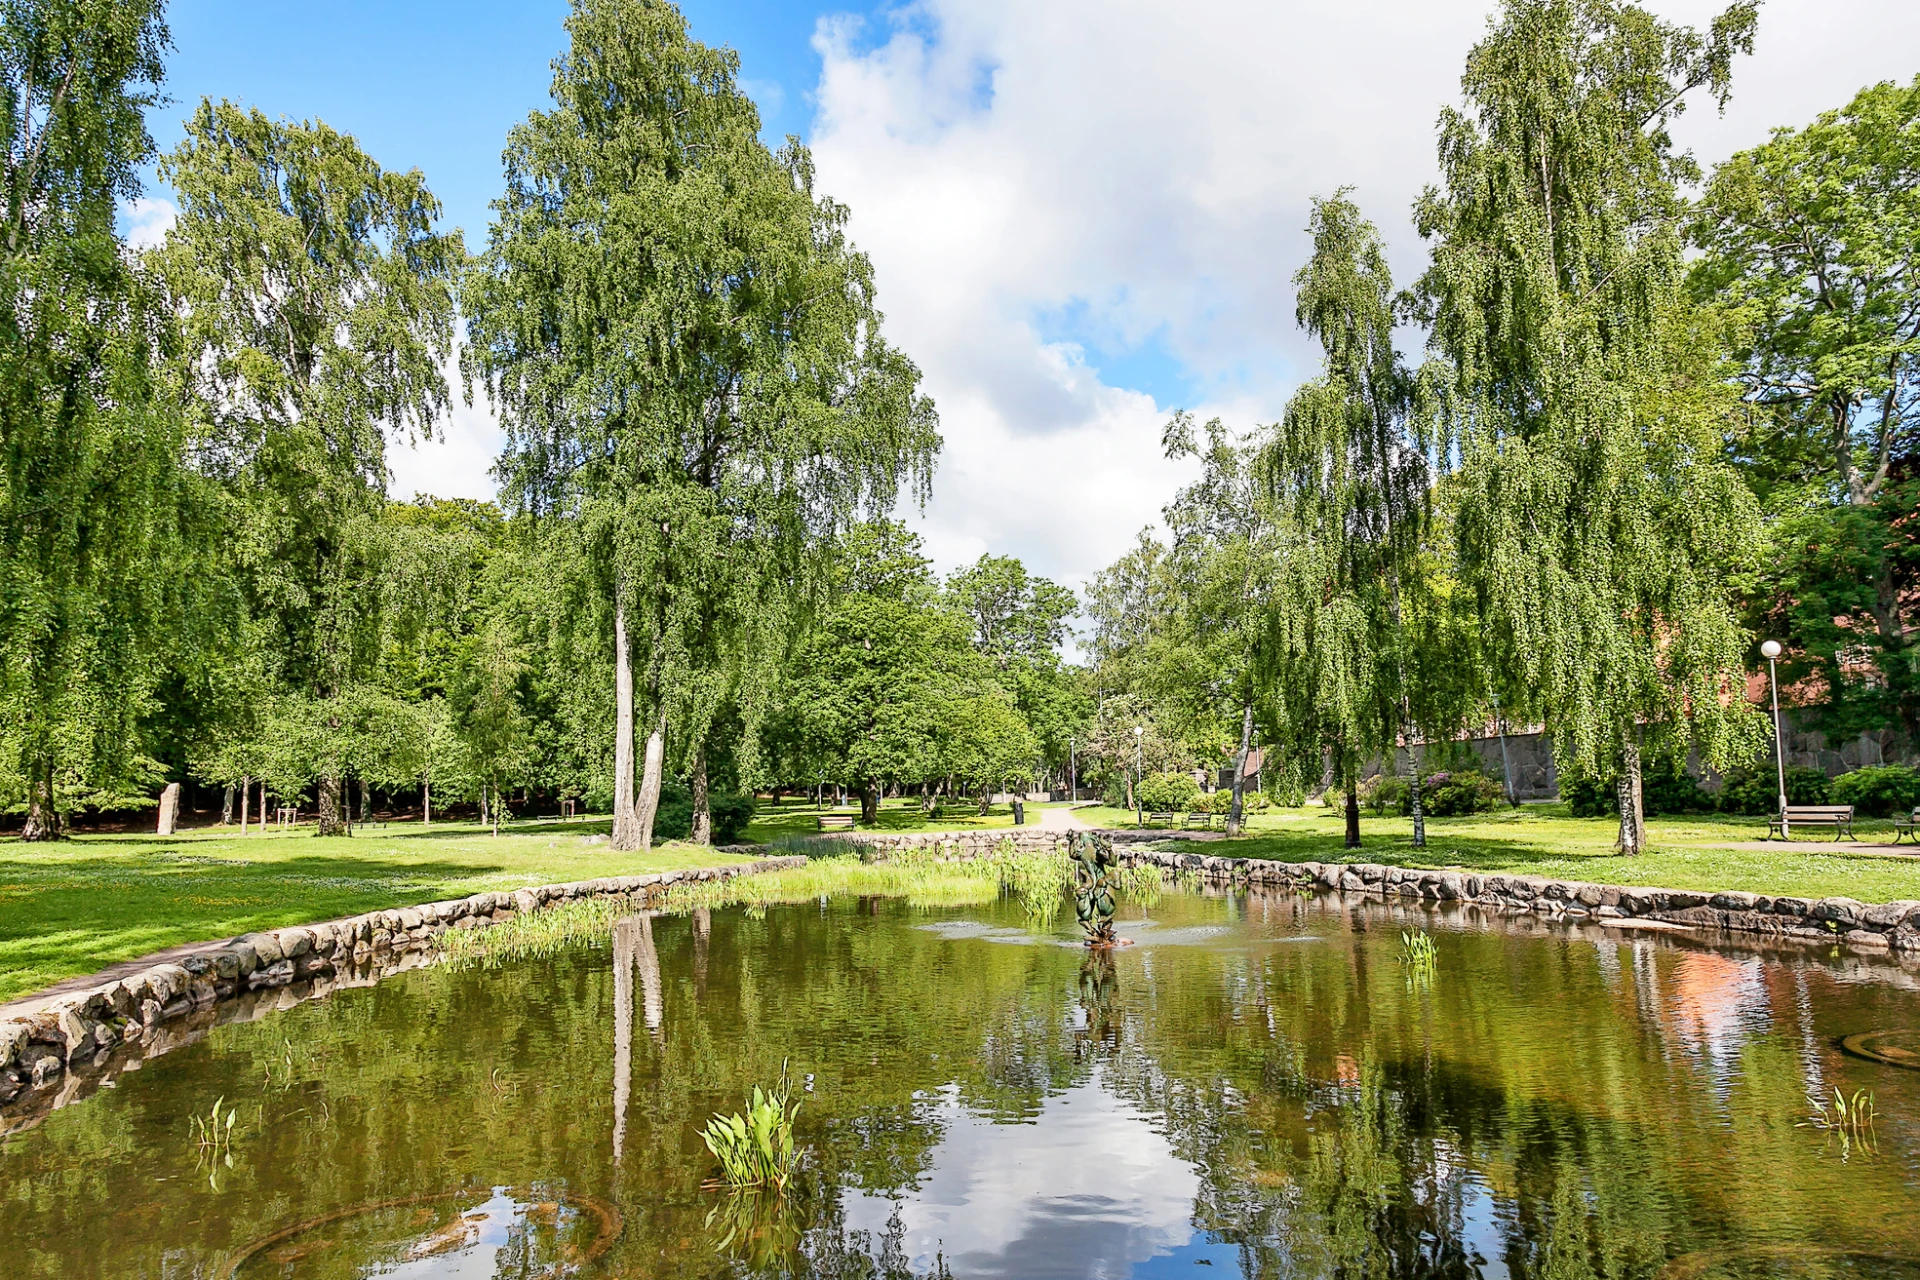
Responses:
[56,1050]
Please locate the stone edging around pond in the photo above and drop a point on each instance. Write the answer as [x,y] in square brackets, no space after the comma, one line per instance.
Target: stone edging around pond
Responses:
[1890,926]
[58,1049]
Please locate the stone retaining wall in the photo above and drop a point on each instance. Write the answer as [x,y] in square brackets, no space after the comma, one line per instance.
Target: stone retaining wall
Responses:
[56,1050]
[1883,927]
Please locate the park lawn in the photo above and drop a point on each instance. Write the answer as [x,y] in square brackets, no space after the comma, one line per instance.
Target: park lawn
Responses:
[800,818]
[1544,840]
[79,905]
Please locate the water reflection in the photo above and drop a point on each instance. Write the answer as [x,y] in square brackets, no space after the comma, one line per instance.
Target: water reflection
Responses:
[1559,1104]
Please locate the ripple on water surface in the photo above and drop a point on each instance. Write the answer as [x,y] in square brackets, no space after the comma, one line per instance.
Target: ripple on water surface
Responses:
[982,1094]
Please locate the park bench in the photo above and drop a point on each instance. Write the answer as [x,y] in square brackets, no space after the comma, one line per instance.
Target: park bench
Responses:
[1837,816]
[1160,820]
[835,821]
[1907,826]
[1202,820]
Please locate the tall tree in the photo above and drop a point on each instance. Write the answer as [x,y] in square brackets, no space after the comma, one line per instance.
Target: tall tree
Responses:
[91,481]
[316,297]
[687,358]
[1596,522]
[1813,239]
[1349,484]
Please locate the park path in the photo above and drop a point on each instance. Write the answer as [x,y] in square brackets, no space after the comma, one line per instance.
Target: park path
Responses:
[1061,820]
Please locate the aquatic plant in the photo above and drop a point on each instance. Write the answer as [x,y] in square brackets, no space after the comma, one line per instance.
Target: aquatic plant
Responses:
[1419,954]
[534,934]
[1092,855]
[1139,882]
[213,1136]
[1850,1116]
[756,1149]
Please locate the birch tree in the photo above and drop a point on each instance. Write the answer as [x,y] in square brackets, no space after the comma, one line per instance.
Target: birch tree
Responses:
[1596,521]
[687,358]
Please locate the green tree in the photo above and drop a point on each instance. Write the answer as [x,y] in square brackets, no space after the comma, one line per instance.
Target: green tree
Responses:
[316,300]
[1814,240]
[485,704]
[92,489]
[688,361]
[1596,521]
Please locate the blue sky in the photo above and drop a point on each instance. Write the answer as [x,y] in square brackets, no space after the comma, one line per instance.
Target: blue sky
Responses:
[1083,214]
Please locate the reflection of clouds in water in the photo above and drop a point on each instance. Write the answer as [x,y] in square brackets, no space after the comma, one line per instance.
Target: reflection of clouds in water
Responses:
[1716,1004]
[1089,1189]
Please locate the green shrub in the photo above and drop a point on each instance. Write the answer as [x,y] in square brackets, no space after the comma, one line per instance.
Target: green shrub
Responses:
[1386,792]
[1668,788]
[1454,795]
[731,814]
[1589,797]
[1259,802]
[1115,796]
[1757,790]
[1288,793]
[1168,792]
[1878,791]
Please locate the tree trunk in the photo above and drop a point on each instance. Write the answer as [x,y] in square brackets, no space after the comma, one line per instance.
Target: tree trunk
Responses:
[650,784]
[426,801]
[1353,816]
[702,810]
[363,802]
[169,809]
[1633,819]
[870,802]
[626,830]
[496,810]
[226,806]
[1413,797]
[331,820]
[246,793]
[1237,810]
[484,814]
[43,820]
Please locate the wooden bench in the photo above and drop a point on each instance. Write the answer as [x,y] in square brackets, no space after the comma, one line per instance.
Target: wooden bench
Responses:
[1202,820]
[1160,820]
[835,821]
[1907,826]
[1837,816]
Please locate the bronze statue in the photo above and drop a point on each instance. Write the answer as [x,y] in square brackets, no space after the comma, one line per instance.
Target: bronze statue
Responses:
[1092,856]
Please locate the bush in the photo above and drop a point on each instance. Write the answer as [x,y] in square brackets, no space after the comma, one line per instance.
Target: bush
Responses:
[1384,792]
[1671,789]
[1168,792]
[731,814]
[1757,791]
[1258,802]
[1589,797]
[673,820]
[1115,796]
[1454,795]
[1878,791]
[1287,793]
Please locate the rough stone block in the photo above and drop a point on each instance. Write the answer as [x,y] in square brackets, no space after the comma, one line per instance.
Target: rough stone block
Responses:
[1844,912]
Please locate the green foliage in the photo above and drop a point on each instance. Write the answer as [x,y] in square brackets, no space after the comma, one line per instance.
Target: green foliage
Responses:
[1878,791]
[1168,792]
[1452,795]
[1597,525]
[97,513]
[1755,789]
[756,1149]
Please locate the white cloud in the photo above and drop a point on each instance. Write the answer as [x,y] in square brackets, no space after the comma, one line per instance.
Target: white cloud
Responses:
[149,218]
[1146,170]
[456,463]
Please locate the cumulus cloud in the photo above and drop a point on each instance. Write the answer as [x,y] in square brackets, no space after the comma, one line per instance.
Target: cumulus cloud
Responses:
[148,219]
[457,462]
[1087,213]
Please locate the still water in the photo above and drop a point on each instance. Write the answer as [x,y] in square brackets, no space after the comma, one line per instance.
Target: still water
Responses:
[1257,1086]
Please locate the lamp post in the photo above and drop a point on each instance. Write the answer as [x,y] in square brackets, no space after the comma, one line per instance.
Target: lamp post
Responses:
[1139,761]
[1073,772]
[1771,650]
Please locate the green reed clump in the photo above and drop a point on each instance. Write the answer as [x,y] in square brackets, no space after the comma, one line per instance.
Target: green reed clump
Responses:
[534,935]
[1419,954]
[756,1149]
[1140,882]
[1851,1116]
[213,1132]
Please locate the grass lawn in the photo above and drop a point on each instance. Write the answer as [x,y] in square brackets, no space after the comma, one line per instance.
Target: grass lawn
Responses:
[73,907]
[800,818]
[1544,840]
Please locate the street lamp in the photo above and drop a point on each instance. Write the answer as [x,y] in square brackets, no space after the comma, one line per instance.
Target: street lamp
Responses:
[1073,772]
[1771,650]
[1139,771]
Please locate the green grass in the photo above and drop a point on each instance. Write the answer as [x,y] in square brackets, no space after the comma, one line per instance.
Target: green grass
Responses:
[799,817]
[1544,840]
[73,907]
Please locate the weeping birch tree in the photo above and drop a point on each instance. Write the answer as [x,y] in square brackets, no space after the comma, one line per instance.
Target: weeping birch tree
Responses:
[687,358]
[1596,522]
[315,295]
[1348,482]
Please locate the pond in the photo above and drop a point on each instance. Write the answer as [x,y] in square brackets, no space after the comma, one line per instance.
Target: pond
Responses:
[1259,1085]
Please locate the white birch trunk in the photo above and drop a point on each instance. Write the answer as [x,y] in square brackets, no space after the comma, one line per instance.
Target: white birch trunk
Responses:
[626,831]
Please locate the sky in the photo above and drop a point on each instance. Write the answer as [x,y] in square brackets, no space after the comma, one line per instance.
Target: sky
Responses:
[1083,214]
